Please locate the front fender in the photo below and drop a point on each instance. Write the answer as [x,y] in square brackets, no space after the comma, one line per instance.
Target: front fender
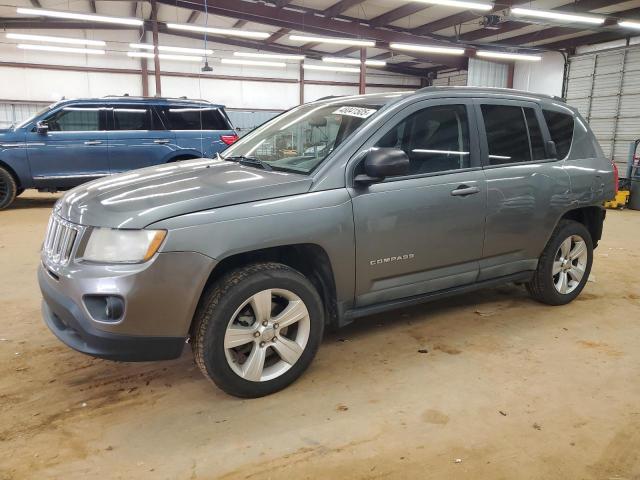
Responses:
[181,154]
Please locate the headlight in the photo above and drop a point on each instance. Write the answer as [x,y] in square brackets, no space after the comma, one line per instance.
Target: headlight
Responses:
[109,245]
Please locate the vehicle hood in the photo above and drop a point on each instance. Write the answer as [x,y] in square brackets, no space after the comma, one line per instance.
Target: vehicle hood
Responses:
[139,198]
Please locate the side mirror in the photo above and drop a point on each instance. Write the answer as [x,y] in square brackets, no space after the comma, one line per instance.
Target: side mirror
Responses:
[381,163]
[42,128]
[552,151]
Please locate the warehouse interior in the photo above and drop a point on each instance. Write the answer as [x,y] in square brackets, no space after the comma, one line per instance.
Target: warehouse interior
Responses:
[485,385]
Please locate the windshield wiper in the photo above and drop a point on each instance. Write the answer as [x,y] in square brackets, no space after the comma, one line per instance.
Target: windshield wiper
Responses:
[250,161]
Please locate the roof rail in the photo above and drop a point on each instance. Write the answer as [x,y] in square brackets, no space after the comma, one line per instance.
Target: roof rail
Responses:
[140,97]
[512,91]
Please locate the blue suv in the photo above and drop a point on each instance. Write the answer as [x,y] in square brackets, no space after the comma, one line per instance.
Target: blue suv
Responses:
[74,141]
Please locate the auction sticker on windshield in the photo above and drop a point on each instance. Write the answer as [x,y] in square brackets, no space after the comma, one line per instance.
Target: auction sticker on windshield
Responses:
[355,112]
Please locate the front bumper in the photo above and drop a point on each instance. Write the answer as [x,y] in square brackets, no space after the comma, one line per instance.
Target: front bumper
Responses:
[160,299]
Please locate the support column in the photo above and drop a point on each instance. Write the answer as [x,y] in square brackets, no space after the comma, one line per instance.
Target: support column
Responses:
[144,67]
[156,58]
[301,84]
[363,71]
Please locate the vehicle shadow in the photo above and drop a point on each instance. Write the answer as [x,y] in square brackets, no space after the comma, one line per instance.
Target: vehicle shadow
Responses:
[34,201]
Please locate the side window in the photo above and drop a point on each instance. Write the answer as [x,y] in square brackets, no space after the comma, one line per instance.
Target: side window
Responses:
[187,118]
[561,130]
[131,118]
[436,139]
[507,135]
[535,134]
[75,119]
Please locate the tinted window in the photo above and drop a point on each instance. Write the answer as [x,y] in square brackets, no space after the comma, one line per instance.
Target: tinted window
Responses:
[186,118]
[131,118]
[75,119]
[436,139]
[561,130]
[535,134]
[507,136]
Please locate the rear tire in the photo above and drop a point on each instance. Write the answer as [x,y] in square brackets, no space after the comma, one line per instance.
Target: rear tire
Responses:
[257,329]
[8,188]
[564,266]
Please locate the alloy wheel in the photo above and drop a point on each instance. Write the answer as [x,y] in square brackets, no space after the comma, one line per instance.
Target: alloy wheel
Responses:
[267,335]
[570,264]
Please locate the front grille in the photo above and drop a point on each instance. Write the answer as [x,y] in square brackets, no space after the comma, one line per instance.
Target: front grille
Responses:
[60,240]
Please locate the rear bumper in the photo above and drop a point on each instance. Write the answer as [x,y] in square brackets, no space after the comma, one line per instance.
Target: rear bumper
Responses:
[72,326]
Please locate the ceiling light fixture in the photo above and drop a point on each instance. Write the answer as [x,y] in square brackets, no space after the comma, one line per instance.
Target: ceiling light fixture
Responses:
[336,41]
[331,68]
[508,56]
[255,63]
[354,61]
[459,4]
[162,48]
[563,17]
[273,56]
[79,16]
[628,24]
[166,56]
[427,48]
[232,32]
[53,48]
[46,38]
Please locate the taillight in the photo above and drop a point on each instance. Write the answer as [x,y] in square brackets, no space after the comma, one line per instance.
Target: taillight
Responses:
[616,177]
[229,139]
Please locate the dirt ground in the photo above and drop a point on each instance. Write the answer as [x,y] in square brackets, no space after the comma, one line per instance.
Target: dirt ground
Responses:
[489,385]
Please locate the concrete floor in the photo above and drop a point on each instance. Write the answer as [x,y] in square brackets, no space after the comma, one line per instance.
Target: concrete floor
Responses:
[508,389]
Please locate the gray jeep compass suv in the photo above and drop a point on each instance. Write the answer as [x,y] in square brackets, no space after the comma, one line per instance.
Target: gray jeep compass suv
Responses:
[334,210]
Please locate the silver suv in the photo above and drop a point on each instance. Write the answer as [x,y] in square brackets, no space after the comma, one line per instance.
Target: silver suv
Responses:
[334,210]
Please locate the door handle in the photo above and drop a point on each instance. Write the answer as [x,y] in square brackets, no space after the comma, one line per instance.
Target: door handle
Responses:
[93,142]
[162,141]
[464,190]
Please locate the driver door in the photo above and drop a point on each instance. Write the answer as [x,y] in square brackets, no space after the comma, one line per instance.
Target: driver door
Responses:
[422,232]
[73,150]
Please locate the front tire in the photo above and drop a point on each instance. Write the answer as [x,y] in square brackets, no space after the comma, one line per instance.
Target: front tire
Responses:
[8,188]
[564,266]
[257,329]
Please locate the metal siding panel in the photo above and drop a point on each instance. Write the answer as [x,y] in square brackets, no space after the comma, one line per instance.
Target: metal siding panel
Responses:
[579,87]
[630,106]
[604,107]
[602,128]
[609,63]
[606,84]
[581,66]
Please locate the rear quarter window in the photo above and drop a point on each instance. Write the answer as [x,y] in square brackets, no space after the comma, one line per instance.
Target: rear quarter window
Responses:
[561,130]
[189,118]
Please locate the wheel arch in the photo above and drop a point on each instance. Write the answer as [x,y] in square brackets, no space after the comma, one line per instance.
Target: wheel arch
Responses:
[183,155]
[308,258]
[591,217]
[12,172]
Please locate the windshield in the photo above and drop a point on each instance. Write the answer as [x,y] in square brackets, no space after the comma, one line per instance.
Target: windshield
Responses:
[299,140]
[30,119]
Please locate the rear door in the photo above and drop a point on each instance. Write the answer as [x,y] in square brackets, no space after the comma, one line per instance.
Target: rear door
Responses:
[137,138]
[422,232]
[203,129]
[526,189]
[73,151]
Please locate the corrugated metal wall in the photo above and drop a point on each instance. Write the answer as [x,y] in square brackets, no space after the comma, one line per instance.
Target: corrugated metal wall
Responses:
[605,88]
[13,113]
